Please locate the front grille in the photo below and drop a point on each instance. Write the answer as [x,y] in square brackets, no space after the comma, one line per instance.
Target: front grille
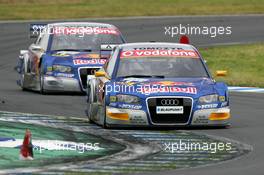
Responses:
[83,72]
[168,118]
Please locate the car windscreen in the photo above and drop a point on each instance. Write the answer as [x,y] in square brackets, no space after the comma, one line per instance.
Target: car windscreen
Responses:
[83,41]
[161,66]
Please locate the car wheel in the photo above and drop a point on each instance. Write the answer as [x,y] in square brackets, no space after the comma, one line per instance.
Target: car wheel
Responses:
[41,82]
[89,108]
[22,80]
[104,125]
[41,85]
[90,100]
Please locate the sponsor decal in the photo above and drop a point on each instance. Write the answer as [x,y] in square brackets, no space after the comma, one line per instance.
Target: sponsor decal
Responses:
[90,61]
[224,104]
[113,104]
[171,83]
[169,109]
[166,89]
[170,102]
[84,30]
[124,105]
[201,119]
[64,54]
[132,81]
[147,89]
[63,75]
[207,106]
[86,56]
[129,106]
[138,119]
[135,80]
[159,53]
[155,48]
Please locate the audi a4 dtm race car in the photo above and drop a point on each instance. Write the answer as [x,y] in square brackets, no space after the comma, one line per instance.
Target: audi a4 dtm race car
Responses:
[64,54]
[156,84]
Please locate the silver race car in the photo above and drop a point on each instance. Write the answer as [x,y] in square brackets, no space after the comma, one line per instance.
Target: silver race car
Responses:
[64,54]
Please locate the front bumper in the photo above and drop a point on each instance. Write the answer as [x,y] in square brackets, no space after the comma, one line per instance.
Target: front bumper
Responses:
[61,84]
[131,117]
[211,117]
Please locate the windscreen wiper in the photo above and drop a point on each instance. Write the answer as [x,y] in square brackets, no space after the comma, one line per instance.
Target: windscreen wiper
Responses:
[143,76]
[77,50]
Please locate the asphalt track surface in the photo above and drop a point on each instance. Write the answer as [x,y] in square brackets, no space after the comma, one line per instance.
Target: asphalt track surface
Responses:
[247,111]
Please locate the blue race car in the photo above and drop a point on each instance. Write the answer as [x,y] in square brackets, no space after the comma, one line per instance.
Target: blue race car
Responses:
[156,84]
[65,54]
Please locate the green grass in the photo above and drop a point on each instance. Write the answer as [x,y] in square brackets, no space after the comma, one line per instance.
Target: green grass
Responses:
[59,9]
[244,63]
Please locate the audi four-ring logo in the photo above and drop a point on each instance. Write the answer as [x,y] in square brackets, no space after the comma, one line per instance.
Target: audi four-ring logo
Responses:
[170,102]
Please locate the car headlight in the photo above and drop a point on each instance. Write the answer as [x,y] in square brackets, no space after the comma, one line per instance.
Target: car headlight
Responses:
[127,99]
[61,68]
[209,98]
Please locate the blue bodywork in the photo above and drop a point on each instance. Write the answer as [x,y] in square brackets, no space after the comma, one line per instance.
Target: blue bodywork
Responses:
[146,88]
[68,59]
[202,86]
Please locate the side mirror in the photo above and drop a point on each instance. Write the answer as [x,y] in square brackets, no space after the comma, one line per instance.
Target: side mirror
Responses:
[221,73]
[36,48]
[100,74]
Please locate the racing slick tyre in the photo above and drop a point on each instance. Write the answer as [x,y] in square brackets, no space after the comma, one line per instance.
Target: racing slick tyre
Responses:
[91,98]
[89,109]
[104,124]
[104,119]
[41,84]
[22,77]
[41,81]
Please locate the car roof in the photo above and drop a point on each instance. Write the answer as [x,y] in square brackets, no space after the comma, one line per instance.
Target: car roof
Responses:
[90,24]
[155,45]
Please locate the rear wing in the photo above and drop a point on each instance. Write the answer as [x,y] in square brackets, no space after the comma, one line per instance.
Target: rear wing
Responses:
[106,50]
[36,29]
